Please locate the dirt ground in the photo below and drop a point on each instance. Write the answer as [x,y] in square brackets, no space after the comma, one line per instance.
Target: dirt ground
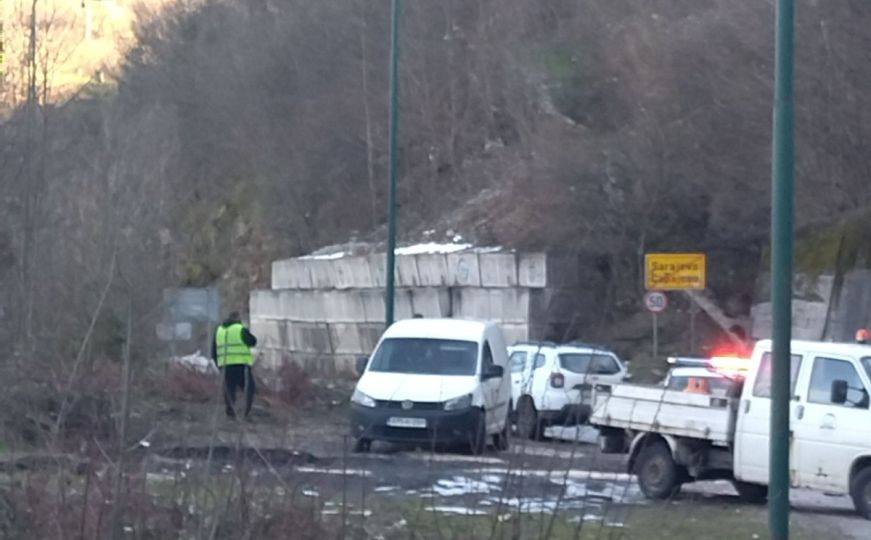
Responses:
[564,477]
[295,465]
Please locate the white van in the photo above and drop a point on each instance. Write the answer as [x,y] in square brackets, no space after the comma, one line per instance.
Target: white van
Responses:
[435,381]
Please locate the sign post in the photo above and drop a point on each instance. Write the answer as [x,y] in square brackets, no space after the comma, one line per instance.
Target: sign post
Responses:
[655,302]
[672,272]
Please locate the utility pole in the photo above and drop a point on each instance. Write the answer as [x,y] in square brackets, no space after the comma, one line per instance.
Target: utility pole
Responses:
[395,13]
[783,165]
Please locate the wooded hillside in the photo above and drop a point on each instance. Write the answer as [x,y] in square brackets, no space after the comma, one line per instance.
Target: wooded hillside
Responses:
[235,132]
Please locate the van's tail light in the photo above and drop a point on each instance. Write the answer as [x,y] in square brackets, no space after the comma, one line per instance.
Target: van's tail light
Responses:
[557,380]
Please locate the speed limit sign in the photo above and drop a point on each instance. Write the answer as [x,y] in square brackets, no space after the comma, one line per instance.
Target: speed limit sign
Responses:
[655,301]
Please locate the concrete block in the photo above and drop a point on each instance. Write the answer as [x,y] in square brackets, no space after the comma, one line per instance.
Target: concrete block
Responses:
[373,305]
[808,320]
[432,270]
[344,365]
[403,305]
[264,304]
[271,359]
[502,305]
[369,336]
[377,272]
[353,272]
[406,271]
[291,274]
[431,302]
[323,273]
[851,310]
[302,305]
[532,270]
[343,306]
[498,269]
[509,305]
[345,339]
[515,333]
[463,270]
[470,303]
[269,333]
[308,337]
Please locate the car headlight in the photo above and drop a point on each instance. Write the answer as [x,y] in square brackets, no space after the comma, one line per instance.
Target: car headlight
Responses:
[462,402]
[360,398]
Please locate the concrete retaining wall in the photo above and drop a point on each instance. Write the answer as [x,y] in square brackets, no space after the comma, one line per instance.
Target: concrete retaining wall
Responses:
[324,312]
[463,269]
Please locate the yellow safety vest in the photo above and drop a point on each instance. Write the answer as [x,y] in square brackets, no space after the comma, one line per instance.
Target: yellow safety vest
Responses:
[231,349]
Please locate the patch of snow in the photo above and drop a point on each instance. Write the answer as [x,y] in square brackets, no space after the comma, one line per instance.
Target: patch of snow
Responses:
[196,362]
[490,249]
[337,511]
[531,504]
[449,458]
[456,510]
[574,474]
[159,477]
[604,490]
[492,479]
[461,485]
[323,256]
[432,248]
[345,472]
[310,493]
[385,489]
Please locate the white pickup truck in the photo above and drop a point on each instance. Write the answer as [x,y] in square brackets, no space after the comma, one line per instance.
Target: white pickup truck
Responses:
[674,437]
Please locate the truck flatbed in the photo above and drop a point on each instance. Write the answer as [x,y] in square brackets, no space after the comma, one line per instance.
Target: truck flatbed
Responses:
[645,408]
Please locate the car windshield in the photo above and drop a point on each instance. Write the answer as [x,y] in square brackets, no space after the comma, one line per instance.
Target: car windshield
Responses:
[866,363]
[426,356]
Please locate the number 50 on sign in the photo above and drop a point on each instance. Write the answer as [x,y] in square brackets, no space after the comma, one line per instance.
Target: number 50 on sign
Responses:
[675,271]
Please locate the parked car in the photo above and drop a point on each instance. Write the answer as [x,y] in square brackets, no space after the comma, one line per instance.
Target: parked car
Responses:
[435,381]
[699,380]
[702,376]
[551,384]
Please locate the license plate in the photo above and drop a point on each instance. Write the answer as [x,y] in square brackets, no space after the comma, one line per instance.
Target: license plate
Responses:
[403,422]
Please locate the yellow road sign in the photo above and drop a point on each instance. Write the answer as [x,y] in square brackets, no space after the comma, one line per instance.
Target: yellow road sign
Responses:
[675,271]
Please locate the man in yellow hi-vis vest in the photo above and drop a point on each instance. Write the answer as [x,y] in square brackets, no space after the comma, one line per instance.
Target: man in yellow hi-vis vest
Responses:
[231,351]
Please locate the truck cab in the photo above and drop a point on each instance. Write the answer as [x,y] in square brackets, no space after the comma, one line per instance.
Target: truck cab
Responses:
[674,437]
[830,419]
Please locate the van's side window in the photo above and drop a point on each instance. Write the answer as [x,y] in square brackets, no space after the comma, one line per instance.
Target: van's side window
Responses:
[866,363]
[762,386]
[487,355]
[518,362]
[539,361]
[828,370]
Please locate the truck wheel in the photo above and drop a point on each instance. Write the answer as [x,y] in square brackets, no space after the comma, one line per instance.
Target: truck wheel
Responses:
[503,439]
[657,472]
[860,491]
[528,424]
[751,493]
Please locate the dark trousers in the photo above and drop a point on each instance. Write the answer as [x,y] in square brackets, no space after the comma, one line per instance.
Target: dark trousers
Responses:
[238,376]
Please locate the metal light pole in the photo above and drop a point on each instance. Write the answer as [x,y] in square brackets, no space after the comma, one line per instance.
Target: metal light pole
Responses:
[395,13]
[783,160]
